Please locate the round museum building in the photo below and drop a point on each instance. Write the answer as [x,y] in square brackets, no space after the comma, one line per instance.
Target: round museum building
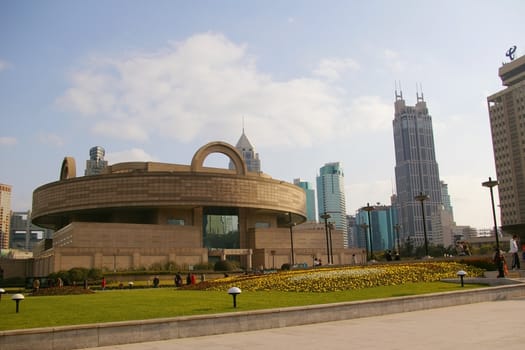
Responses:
[137,214]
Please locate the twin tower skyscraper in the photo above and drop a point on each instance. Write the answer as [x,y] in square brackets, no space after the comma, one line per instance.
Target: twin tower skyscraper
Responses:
[418,204]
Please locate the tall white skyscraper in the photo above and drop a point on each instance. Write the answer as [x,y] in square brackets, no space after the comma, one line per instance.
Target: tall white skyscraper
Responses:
[331,196]
[417,173]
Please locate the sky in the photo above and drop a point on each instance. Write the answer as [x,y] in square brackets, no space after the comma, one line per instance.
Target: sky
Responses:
[311,82]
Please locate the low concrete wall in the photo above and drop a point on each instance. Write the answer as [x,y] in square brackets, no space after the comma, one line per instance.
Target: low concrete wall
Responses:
[94,335]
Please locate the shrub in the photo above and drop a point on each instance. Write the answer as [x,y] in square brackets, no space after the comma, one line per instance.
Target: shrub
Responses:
[78,274]
[204,266]
[224,265]
[285,267]
[485,264]
[95,274]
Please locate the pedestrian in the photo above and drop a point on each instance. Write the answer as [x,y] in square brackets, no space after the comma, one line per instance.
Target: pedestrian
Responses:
[36,285]
[178,280]
[156,282]
[103,283]
[188,279]
[192,279]
[514,251]
[499,261]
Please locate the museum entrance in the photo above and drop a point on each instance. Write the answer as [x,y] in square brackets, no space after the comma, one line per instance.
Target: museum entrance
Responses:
[221,228]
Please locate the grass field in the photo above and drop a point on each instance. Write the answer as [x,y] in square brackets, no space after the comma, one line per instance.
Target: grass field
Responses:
[137,304]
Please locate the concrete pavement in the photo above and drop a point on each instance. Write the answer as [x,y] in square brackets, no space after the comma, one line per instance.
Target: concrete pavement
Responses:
[486,325]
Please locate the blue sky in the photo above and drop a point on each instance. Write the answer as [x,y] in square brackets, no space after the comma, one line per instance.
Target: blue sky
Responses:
[313,81]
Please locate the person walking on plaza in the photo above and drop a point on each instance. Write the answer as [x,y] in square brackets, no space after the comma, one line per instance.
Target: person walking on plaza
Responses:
[514,251]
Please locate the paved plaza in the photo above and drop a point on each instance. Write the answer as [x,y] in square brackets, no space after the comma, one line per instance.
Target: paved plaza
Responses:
[488,325]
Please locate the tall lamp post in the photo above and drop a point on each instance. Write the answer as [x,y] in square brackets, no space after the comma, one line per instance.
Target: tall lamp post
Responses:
[331,227]
[364,226]
[490,184]
[325,217]
[291,241]
[368,209]
[421,197]
[396,228]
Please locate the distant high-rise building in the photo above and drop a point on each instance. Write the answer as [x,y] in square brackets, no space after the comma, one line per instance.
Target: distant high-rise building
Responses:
[310,198]
[416,172]
[25,235]
[331,196]
[382,221]
[96,163]
[445,196]
[5,215]
[248,154]
[507,116]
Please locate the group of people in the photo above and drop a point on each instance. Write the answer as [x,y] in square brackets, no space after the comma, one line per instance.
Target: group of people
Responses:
[190,279]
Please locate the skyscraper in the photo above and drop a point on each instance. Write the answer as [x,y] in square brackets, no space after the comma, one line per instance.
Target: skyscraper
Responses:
[5,215]
[416,172]
[310,198]
[96,162]
[507,122]
[248,154]
[331,196]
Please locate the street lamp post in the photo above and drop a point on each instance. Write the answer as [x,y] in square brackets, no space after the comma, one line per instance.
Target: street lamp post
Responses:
[331,227]
[325,217]
[421,198]
[490,184]
[368,209]
[292,224]
[364,226]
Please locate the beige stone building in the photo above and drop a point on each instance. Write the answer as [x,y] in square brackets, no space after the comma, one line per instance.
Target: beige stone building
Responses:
[134,215]
[507,122]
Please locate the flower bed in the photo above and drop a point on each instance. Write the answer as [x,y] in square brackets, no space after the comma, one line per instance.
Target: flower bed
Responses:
[327,279]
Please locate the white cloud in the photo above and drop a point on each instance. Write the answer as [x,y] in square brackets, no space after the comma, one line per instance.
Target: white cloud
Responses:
[203,87]
[333,68]
[359,194]
[4,65]
[8,141]
[393,61]
[131,155]
[370,113]
[51,139]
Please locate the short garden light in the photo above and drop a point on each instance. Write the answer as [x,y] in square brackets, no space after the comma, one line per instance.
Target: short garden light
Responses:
[2,291]
[17,298]
[461,274]
[234,291]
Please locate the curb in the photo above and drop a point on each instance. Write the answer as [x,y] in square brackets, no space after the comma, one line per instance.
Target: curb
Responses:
[106,334]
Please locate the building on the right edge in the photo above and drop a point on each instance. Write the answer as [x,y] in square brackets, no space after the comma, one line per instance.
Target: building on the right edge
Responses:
[507,123]
[417,173]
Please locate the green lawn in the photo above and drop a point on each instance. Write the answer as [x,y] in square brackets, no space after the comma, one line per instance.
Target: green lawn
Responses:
[136,304]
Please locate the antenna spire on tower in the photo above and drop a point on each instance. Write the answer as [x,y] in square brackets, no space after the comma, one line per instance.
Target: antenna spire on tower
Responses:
[399,96]
[418,90]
